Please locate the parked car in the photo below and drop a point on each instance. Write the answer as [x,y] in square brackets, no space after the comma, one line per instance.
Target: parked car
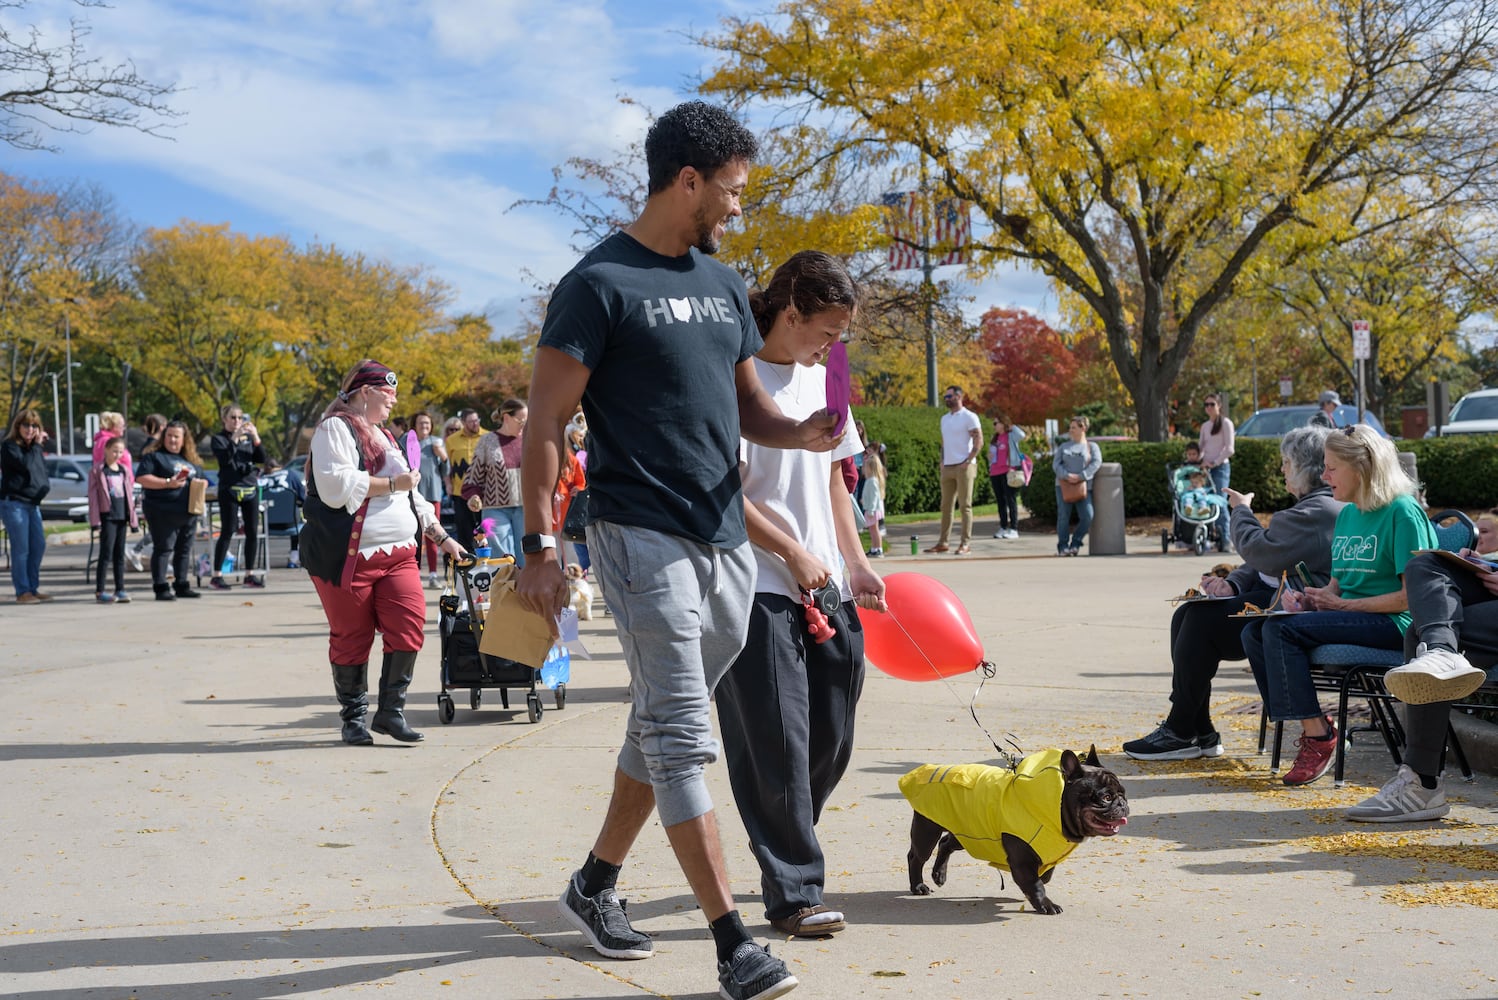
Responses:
[68,477]
[1277,421]
[1474,413]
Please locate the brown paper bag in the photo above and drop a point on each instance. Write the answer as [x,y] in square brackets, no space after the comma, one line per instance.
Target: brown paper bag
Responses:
[513,632]
[197,496]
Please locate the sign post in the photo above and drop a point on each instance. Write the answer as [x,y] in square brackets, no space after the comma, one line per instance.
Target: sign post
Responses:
[1362,349]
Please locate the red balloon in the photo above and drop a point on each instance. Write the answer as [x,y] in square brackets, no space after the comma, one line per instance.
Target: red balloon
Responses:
[925,635]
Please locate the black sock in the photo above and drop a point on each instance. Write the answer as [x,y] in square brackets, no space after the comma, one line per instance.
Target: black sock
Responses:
[598,875]
[1428,781]
[1328,735]
[728,934]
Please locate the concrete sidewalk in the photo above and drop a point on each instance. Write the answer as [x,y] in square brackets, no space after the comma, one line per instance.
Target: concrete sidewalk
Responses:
[182,822]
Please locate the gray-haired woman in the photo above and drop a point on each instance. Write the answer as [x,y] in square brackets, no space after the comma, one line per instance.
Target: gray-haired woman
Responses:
[1201,633]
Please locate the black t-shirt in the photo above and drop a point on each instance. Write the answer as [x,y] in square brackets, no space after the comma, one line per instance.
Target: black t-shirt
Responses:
[165,465]
[114,484]
[661,337]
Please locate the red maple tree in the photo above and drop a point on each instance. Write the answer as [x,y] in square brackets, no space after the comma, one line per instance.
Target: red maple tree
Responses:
[1032,368]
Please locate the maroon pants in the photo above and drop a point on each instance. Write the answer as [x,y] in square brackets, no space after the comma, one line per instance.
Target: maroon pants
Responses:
[385,595]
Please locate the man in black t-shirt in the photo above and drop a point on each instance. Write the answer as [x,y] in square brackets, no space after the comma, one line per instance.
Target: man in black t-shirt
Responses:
[657,341]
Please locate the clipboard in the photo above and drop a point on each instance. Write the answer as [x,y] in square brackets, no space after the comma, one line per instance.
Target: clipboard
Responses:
[1473,564]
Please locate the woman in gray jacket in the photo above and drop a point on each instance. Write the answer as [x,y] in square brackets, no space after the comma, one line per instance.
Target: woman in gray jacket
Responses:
[1075,461]
[1201,633]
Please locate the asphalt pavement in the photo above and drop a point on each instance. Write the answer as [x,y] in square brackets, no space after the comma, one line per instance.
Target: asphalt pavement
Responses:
[181,821]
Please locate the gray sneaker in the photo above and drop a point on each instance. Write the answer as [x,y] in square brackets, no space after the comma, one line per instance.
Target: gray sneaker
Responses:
[1402,800]
[1434,675]
[602,920]
[754,974]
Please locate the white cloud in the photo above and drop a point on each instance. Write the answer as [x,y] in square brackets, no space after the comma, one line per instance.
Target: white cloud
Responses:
[404,131]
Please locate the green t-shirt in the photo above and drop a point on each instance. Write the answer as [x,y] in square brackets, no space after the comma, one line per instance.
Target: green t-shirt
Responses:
[1370,548]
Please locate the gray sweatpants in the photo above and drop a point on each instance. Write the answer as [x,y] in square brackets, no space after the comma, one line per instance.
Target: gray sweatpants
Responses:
[1449,607]
[681,610]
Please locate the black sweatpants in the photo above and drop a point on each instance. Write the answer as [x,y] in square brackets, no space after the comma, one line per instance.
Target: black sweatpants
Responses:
[1201,637]
[111,553]
[1448,607]
[171,547]
[785,710]
[230,513]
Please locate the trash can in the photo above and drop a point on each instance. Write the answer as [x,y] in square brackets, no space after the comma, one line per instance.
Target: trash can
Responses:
[1107,535]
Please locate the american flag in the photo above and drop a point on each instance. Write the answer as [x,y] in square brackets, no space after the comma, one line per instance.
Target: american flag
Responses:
[953,230]
[903,225]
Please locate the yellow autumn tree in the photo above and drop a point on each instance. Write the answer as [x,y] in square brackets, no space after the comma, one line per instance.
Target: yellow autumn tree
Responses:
[206,320]
[1196,130]
[58,248]
[341,307]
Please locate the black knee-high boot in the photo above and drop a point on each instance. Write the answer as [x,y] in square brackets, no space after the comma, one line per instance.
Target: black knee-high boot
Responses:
[351,683]
[395,677]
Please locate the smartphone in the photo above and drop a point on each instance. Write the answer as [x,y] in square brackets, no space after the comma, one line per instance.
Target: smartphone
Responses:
[1303,573]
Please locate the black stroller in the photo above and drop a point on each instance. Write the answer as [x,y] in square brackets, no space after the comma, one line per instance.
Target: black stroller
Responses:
[463,665]
[1194,511]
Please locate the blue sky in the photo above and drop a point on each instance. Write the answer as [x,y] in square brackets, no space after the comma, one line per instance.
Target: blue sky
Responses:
[404,130]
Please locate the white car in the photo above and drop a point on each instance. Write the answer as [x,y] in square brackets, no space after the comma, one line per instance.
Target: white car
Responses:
[1474,413]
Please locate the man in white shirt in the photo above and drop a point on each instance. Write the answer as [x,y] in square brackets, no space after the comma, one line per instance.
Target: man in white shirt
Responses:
[961,441]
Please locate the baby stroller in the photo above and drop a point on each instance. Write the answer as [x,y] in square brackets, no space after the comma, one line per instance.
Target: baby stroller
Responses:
[463,665]
[1194,510]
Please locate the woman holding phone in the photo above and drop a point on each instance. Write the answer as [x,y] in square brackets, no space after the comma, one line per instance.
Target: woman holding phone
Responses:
[165,472]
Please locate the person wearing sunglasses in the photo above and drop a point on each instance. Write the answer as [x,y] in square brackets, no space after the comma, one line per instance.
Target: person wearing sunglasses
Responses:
[23,485]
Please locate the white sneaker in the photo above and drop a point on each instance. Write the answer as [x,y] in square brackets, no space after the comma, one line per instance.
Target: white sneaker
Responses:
[133,558]
[1012,533]
[1434,675]
[1402,800]
[432,581]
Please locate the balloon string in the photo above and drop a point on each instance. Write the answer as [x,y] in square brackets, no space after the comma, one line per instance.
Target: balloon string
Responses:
[988,670]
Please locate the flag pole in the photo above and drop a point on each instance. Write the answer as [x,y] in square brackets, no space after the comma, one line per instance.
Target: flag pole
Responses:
[928,287]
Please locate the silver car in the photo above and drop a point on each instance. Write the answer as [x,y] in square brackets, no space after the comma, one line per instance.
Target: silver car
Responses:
[1474,413]
[68,477]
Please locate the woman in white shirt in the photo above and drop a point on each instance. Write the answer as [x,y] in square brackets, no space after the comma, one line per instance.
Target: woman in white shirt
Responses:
[359,545]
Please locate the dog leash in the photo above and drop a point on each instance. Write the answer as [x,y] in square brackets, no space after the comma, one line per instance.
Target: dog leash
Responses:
[988,670]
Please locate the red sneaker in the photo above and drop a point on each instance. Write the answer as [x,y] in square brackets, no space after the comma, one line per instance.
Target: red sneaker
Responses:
[1314,759]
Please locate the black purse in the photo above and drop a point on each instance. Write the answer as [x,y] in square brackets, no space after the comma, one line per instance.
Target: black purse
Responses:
[575,527]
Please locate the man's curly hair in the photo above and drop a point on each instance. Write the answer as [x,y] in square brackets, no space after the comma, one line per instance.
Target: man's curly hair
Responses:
[695,134]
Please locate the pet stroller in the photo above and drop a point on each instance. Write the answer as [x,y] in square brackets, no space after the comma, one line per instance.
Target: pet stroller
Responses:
[464,666]
[1193,524]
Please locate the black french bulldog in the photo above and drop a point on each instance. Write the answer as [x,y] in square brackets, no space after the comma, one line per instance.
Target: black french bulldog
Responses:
[1092,804]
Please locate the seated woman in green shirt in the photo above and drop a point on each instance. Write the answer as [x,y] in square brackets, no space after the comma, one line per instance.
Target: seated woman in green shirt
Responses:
[1365,602]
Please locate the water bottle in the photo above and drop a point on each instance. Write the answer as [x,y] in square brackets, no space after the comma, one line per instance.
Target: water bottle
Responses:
[228,566]
[915,545]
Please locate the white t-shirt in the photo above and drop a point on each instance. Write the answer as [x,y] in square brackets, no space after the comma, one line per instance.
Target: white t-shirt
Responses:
[957,435]
[791,486]
[389,523]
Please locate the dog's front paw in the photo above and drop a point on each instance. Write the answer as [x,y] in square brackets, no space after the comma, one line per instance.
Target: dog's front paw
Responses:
[920,889]
[1045,905]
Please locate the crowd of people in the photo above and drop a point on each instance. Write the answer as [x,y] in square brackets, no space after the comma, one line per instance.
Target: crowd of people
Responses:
[723,507]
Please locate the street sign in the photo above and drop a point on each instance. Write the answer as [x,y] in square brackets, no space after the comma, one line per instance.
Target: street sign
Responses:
[1285,388]
[1362,340]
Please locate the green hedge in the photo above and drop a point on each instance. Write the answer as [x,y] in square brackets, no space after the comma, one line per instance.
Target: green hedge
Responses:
[912,439]
[1456,471]
[1460,471]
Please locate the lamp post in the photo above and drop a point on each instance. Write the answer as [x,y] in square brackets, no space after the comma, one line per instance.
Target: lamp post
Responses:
[56,413]
[67,340]
[1254,355]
